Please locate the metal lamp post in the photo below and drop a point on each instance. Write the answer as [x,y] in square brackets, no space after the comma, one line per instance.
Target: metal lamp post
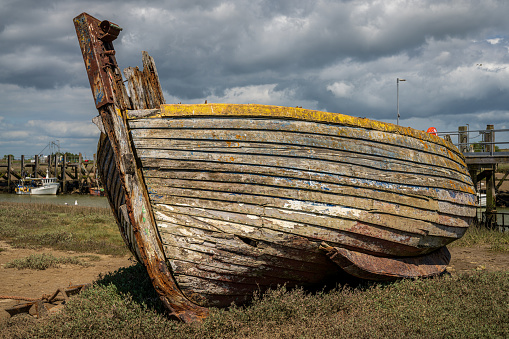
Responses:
[397,95]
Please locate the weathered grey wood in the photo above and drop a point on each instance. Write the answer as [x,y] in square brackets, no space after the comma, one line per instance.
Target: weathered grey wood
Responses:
[36,166]
[144,86]
[342,232]
[265,241]
[300,127]
[390,228]
[64,179]
[422,194]
[314,165]
[302,151]
[383,213]
[303,189]
[9,171]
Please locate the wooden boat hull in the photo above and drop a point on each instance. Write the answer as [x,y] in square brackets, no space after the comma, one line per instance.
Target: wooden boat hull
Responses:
[221,200]
[243,195]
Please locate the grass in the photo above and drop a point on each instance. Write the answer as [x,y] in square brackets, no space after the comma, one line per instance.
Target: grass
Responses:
[502,168]
[481,236]
[473,305]
[44,261]
[124,304]
[68,228]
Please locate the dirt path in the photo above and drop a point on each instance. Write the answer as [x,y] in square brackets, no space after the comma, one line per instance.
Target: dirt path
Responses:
[466,259]
[35,283]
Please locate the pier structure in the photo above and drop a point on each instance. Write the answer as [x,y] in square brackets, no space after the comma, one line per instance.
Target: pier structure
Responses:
[483,154]
[77,175]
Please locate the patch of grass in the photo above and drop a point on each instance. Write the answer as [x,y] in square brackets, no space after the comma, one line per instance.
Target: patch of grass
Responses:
[502,168]
[481,236]
[2,249]
[44,261]
[473,305]
[68,228]
[90,257]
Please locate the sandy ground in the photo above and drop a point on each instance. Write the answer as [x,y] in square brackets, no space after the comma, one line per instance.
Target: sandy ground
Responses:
[35,283]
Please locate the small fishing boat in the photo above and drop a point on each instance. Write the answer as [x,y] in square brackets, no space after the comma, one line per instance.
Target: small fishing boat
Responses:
[33,186]
[221,200]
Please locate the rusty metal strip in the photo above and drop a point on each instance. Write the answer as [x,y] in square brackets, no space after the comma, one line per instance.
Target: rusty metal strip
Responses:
[370,267]
[40,303]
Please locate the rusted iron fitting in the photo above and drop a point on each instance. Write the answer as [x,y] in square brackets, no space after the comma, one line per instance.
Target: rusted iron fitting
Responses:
[110,31]
[38,306]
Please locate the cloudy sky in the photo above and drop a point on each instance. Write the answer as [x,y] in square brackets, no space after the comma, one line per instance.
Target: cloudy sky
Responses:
[336,56]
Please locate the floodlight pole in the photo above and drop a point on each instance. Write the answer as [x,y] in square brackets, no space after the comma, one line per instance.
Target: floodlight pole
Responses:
[397,96]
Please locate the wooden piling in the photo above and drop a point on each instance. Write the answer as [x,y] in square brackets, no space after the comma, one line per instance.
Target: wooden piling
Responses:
[463,138]
[48,159]
[56,165]
[36,166]
[22,169]
[491,208]
[80,173]
[64,165]
[9,170]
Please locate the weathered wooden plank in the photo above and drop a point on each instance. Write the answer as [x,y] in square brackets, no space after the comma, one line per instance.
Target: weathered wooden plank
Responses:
[342,232]
[328,192]
[208,249]
[296,151]
[290,113]
[363,185]
[317,141]
[330,216]
[285,239]
[281,232]
[244,243]
[282,197]
[311,165]
[247,277]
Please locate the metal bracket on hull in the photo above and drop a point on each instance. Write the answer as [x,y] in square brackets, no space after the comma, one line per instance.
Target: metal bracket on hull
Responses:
[95,38]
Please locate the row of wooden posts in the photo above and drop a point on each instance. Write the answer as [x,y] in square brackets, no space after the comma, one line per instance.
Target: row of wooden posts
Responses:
[83,177]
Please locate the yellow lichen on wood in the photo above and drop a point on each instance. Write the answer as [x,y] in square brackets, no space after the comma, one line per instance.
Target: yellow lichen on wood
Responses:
[269,111]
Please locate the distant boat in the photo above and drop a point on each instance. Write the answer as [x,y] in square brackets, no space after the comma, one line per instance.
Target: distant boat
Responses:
[221,200]
[36,186]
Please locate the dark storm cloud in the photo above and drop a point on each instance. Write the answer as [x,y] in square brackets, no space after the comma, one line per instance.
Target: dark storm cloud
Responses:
[340,56]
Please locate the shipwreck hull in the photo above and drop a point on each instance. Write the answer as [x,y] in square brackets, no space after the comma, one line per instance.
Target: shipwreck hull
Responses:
[219,200]
[243,195]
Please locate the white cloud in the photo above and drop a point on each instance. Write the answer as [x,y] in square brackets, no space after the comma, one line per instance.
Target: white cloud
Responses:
[341,90]
[494,41]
